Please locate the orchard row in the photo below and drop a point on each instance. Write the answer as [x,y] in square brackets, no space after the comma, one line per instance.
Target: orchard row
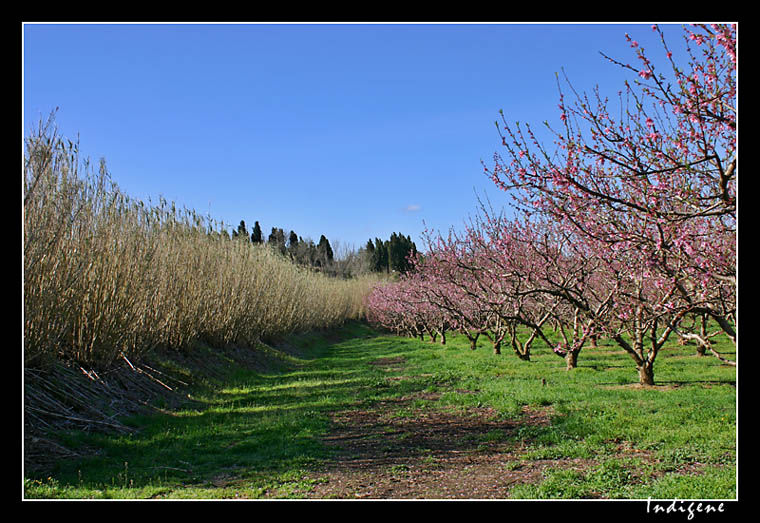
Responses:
[625,230]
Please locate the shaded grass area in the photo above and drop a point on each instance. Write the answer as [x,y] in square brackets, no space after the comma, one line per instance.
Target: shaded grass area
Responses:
[257,433]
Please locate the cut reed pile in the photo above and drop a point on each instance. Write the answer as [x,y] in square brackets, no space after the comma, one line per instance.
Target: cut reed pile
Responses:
[108,277]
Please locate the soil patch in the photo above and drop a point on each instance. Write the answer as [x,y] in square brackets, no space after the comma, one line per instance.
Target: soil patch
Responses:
[393,451]
[638,386]
[398,361]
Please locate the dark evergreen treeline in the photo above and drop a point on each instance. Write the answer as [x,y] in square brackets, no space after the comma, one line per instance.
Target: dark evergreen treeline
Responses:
[376,256]
[390,255]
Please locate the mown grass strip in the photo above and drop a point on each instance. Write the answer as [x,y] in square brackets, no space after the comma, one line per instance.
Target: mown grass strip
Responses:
[260,433]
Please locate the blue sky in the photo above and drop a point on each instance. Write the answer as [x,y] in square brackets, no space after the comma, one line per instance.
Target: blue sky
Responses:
[353,131]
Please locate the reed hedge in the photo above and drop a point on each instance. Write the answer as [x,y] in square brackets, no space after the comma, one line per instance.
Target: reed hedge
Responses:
[107,276]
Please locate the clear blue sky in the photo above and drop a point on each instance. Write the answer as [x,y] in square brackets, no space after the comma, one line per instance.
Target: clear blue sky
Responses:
[353,131]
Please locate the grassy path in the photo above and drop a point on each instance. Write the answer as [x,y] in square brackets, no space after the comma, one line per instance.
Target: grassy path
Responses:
[361,415]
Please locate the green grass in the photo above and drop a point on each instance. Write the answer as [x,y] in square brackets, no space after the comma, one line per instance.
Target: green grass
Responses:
[258,434]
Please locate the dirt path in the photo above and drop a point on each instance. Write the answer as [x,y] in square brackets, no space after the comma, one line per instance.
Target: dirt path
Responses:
[430,453]
[398,449]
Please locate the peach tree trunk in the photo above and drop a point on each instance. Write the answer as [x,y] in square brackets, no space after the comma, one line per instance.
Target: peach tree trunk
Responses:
[571,359]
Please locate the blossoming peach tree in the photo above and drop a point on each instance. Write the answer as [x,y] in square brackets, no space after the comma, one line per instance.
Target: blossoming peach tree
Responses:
[651,192]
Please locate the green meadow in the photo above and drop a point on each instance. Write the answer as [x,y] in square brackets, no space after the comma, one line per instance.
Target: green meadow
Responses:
[259,433]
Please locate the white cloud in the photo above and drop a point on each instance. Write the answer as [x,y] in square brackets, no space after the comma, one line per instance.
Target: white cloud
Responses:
[412,208]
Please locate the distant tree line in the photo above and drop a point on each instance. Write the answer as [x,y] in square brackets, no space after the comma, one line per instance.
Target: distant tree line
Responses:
[390,255]
[303,252]
[340,260]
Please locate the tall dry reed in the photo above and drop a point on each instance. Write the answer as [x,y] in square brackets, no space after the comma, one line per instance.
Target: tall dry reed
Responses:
[107,276]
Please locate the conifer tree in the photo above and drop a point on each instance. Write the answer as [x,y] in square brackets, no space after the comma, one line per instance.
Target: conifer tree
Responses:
[324,251]
[256,236]
[277,239]
[241,232]
[292,243]
[381,256]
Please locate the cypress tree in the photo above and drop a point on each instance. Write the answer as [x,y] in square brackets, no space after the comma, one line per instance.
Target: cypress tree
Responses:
[324,250]
[394,253]
[241,232]
[256,236]
[381,256]
[277,239]
[293,245]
